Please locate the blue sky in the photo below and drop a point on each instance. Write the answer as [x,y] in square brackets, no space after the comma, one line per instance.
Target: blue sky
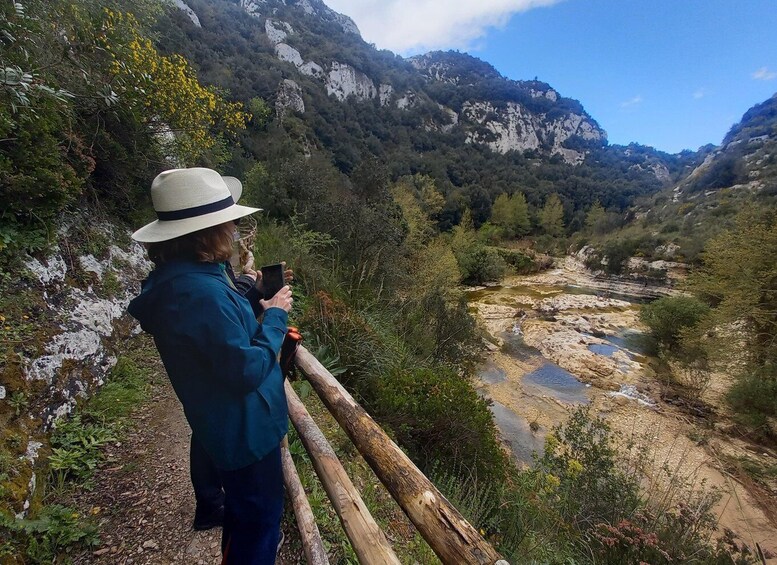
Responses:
[674,74]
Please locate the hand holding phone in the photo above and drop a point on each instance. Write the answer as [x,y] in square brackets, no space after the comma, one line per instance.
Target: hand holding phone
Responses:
[272,280]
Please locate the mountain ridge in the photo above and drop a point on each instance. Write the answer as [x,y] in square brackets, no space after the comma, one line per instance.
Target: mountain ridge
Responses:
[445,114]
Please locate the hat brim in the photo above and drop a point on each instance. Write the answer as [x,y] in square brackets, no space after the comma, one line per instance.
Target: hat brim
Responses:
[161,230]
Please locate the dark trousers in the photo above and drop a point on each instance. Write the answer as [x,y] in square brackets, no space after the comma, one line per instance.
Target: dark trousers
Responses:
[253,505]
[206,481]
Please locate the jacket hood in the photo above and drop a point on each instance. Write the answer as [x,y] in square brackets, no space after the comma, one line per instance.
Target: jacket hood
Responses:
[157,291]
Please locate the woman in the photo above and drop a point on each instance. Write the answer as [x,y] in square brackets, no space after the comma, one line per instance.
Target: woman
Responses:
[221,362]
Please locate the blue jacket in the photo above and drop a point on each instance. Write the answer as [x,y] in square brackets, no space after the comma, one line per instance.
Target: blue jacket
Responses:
[222,363]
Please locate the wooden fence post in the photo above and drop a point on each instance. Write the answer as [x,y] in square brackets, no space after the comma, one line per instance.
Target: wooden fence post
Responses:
[367,539]
[443,527]
[315,554]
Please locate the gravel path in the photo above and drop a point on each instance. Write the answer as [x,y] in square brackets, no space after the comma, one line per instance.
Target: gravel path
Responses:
[143,499]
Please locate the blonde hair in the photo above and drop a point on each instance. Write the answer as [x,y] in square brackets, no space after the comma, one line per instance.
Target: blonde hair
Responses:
[211,245]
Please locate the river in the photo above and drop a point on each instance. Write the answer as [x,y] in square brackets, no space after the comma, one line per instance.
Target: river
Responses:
[561,339]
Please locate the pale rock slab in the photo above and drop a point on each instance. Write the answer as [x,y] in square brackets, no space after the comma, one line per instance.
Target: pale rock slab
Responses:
[312,69]
[91,265]
[277,31]
[252,7]
[53,271]
[344,81]
[287,53]
[181,5]
[408,100]
[289,98]
[550,94]
[511,129]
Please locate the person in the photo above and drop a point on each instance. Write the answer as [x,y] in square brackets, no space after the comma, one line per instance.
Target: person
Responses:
[222,363]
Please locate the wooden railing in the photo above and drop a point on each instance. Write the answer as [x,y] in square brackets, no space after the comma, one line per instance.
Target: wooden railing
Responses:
[450,536]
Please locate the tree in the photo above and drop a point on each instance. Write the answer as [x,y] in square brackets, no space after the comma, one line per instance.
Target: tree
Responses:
[667,318]
[260,112]
[521,219]
[739,276]
[596,219]
[552,216]
[511,213]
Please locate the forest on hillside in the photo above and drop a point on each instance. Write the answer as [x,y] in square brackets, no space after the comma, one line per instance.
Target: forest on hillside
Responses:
[383,221]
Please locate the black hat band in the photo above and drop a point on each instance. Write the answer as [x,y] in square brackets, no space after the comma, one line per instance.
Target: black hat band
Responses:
[196,211]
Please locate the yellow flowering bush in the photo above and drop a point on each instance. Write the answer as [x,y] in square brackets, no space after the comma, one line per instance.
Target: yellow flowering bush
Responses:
[574,467]
[166,88]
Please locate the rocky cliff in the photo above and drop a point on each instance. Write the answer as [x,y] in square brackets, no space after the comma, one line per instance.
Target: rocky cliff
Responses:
[444,114]
[498,113]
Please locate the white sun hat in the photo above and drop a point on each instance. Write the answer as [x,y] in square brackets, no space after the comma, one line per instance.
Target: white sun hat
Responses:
[189,200]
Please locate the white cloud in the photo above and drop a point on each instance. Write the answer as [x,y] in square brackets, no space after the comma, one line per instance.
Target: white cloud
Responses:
[632,102]
[699,94]
[413,26]
[764,74]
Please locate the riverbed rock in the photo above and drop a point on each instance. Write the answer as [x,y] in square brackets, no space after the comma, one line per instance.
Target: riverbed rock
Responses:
[578,302]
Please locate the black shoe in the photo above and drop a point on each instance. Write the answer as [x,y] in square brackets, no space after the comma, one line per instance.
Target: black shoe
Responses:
[208,521]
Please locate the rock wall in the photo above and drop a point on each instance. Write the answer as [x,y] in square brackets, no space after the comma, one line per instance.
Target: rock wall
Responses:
[289,97]
[78,309]
[514,128]
[344,81]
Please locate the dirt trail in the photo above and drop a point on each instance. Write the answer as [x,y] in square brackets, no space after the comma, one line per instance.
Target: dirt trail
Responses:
[143,498]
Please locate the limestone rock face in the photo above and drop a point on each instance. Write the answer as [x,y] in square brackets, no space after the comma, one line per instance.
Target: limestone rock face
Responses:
[348,25]
[385,91]
[550,94]
[523,116]
[312,69]
[252,7]
[311,8]
[181,5]
[289,98]
[87,322]
[514,128]
[83,322]
[344,81]
[453,118]
[277,31]
[436,70]
[287,53]
[408,100]
[509,129]
[661,172]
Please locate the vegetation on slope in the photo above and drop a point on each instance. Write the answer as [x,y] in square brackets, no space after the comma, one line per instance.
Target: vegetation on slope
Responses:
[381,222]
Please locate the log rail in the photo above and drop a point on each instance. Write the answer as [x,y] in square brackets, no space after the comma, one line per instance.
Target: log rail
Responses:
[451,537]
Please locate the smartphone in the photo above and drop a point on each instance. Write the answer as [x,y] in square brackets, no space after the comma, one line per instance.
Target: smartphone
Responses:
[272,280]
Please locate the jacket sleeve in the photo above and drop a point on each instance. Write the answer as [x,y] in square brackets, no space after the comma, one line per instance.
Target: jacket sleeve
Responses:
[247,287]
[238,360]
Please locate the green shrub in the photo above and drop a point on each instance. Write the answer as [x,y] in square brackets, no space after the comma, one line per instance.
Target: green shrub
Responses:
[440,329]
[480,264]
[437,415]
[754,399]
[42,539]
[617,253]
[126,387]
[667,317]
[76,449]
[581,469]
[521,262]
